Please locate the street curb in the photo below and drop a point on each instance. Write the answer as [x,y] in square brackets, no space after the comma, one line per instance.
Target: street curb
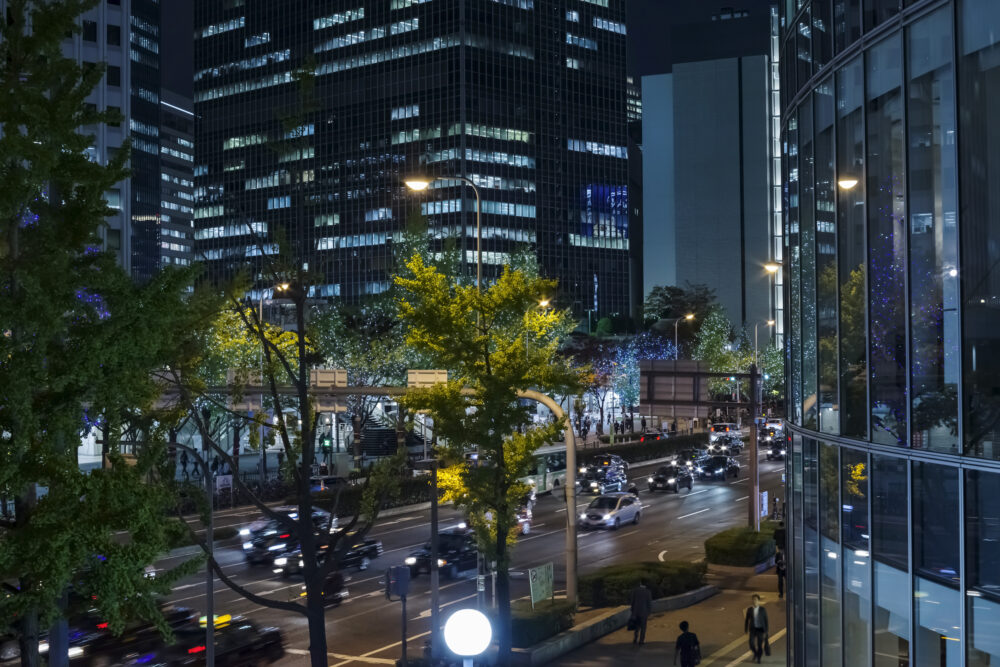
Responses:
[749,571]
[416,507]
[614,619]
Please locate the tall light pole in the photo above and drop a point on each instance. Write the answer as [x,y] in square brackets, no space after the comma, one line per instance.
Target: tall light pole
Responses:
[770,323]
[688,318]
[772,269]
[260,325]
[419,184]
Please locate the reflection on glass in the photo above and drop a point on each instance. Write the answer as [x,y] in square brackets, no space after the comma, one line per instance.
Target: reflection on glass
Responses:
[982,575]
[857,580]
[886,242]
[877,11]
[890,525]
[826,264]
[935,522]
[979,133]
[846,23]
[810,521]
[803,49]
[892,616]
[807,255]
[938,630]
[794,347]
[830,555]
[935,354]
[851,248]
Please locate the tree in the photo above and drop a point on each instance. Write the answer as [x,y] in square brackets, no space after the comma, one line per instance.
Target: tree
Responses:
[493,344]
[671,302]
[78,344]
[714,346]
[596,358]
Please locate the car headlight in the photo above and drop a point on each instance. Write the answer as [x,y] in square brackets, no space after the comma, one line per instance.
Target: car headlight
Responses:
[782,452]
[700,469]
[75,651]
[281,562]
[672,480]
[442,562]
[247,546]
[277,547]
[718,471]
[606,517]
[593,485]
[410,560]
[650,480]
[43,647]
[582,470]
[244,531]
[690,465]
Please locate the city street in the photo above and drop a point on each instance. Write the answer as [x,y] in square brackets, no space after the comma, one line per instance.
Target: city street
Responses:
[366,629]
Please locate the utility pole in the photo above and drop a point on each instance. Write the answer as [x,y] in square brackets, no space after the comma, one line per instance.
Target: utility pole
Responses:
[754,506]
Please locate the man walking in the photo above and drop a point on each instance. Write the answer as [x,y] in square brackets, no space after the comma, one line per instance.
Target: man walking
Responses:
[755,624]
[642,605]
[779,569]
[687,647]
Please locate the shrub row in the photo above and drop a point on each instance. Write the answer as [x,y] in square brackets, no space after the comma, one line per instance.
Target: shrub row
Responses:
[530,626]
[741,546]
[412,490]
[635,451]
[613,585]
[183,536]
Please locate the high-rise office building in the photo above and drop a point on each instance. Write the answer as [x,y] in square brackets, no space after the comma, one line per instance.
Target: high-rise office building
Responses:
[176,235]
[125,34]
[525,98]
[710,155]
[892,195]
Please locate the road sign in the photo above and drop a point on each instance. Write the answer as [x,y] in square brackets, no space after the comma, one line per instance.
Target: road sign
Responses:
[540,580]
[480,582]
[763,504]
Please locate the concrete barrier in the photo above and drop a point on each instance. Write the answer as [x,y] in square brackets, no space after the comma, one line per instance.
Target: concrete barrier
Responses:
[586,632]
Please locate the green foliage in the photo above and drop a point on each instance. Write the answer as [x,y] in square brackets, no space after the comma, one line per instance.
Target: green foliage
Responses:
[740,546]
[613,585]
[634,451]
[548,618]
[78,344]
[350,500]
[671,302]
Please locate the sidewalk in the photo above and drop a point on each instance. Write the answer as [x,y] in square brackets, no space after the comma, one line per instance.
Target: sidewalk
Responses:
[718,622]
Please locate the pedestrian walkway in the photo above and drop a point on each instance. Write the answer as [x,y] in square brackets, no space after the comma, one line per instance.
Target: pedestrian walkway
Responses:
[718,622]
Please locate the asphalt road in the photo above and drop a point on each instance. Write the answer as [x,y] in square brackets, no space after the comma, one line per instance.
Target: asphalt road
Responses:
[367,629]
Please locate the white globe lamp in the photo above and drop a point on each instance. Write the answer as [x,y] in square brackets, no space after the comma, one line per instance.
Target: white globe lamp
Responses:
[467,633]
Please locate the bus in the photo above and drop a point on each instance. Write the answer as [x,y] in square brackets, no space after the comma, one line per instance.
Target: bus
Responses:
[550,469]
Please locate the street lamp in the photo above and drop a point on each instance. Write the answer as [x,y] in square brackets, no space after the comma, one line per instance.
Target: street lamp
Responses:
[420,184]
[468,633]
[772,267]
[281,287]
[770,323]
[688,317]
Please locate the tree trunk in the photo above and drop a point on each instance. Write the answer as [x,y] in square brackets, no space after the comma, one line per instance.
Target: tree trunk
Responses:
[27,640]
[316,615]
[503,596]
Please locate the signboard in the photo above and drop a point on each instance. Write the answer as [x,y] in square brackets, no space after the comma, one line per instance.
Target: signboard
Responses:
[223,482]
[540,579]
[763,504]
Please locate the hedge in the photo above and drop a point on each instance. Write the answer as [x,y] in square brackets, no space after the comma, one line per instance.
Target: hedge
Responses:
[741,546]
[530,626]
[182,537]
[613,585]
[412,490]
[636,451]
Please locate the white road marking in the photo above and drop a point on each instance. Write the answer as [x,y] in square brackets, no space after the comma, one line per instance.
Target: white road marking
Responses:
[426,613]
[693,513]
[740,481]
[349,658]
[739,499]
[661,556]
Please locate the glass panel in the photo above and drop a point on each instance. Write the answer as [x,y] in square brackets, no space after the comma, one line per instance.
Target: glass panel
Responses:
[829,562]
[794,349]
[826,262]
[886,243]
[982,576]
[822,40]
[851,247]
[847,23]
[935,522]
[807,231]
[937,624]
[890,538]
[979,89]
[877,11]
[892,616]
[803,48]
[810,533]
[857,580]
[934,332]
[797,589]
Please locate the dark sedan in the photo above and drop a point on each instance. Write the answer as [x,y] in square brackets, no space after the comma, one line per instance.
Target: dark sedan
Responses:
[457,552]
[602,481]
[717,467]
[360,555]
[688,457]
[265,538]
[238,642]
[671,478]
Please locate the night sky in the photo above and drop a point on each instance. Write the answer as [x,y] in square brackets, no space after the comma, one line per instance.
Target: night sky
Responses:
[176,46]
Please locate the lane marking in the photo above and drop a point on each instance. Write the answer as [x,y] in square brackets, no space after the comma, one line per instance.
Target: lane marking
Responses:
[693,513]
[775,637]
[426,613]
[739,499]
[661,556]
[349,658]
[740,481]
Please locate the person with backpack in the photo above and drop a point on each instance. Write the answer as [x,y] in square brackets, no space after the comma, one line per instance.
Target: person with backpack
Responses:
[687,647]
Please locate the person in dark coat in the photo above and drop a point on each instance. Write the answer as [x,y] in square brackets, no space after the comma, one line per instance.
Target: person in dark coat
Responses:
[687,647]
[184,463]
[779,536]
[755,624]
[780,569]
[642,605]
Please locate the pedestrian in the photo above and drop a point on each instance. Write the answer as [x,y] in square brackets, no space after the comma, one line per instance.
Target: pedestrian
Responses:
[642,604]
[184,463]
[643,424]
[779,569]
[755,625]
[779,536]
[687,647]
[215,465]
[673,427]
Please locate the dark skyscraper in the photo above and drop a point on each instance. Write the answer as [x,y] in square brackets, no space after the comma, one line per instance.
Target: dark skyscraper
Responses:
[176,179]
[526,98]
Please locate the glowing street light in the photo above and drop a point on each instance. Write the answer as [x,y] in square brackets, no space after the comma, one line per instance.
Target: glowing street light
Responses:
[468,633]
[419,184]
[847,183]
[772,267]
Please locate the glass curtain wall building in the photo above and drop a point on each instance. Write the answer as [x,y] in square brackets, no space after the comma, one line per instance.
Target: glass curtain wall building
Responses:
[891,170]
[524,97]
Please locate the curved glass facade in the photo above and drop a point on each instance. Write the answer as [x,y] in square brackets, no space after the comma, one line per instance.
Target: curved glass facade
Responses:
[891,166]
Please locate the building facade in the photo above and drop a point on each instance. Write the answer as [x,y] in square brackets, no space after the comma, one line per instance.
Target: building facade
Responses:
[710,154]
[526,98]
[891,172]
[176,234]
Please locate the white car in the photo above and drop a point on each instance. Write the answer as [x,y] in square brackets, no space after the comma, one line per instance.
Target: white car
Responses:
[611,510]
[722,429]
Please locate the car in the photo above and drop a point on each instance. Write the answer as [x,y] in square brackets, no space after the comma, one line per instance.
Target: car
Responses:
[457,552]
[610,462]
[721,429]
[717,467]
[776,424]
[92,643]
[359,555]
[238,642]
[671,478]
[266,538]
[524,514]
[730,445]
[688,457]
[327,483]
[602,481]
[650,435]
[611,510]
[775,450]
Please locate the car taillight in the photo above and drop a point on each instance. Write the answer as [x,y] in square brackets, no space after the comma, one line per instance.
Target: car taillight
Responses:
[642,439]
[196,649]
[285,536]
[102,626]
